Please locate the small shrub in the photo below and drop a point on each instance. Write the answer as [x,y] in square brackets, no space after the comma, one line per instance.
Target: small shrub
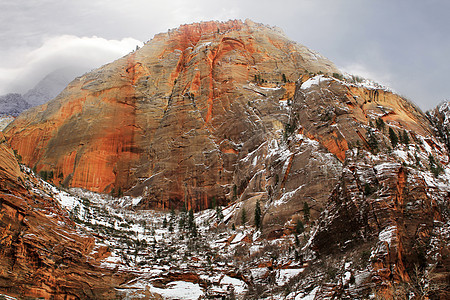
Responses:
[338,76]
[368,189]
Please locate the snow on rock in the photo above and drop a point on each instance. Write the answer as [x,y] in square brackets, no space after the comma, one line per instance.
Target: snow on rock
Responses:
[284,275]
[388,234]
[310,296]
[316,80]
[4,121]
[238,285]
[179,290]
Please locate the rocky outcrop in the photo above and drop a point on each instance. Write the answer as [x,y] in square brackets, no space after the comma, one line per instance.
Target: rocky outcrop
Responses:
[394,209]
[440,118]
[42,255]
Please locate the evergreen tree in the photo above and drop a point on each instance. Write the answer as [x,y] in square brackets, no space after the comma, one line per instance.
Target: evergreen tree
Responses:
[435,167]
[380,124]
[191,219]
[219,213]
[306,211]
[284,78]
[393,137]
[213,202]
[299,228]
[172,215]
[243,217]
[164,222]
[182,221]
[258,214]
[404,138]
[191,223]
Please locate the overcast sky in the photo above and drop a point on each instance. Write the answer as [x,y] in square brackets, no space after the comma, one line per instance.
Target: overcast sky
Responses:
[404,44]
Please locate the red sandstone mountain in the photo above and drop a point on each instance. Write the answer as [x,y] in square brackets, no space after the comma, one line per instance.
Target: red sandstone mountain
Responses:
[173,116]
[236,113]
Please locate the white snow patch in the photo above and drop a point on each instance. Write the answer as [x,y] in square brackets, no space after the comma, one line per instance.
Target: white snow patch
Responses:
[179,290]
[314,81]
[284,275]
[271,89]
[239,237]
[388,234]
[239,285]
[309,296]
[287,196]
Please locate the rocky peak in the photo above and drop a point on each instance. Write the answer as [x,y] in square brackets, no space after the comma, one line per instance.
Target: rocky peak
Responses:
[173,114]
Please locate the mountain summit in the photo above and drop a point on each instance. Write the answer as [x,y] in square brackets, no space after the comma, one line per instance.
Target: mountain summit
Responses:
[171,119]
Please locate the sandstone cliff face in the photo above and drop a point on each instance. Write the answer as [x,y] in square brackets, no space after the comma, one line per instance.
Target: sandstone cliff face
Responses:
[224,111]
[170,120]
[41,253]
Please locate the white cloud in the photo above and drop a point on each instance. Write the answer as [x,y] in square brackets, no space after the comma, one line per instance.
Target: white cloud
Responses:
[65,51]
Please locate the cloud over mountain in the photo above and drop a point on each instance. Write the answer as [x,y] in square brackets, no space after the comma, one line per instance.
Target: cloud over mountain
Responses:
[80,54]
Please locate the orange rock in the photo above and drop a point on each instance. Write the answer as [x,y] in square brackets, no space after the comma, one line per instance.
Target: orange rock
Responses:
[160,113]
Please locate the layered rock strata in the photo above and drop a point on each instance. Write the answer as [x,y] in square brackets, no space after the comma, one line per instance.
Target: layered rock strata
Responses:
[42,255]
[172,119]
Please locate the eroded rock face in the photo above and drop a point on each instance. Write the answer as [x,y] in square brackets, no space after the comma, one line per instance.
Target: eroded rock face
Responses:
[41,253]
[211,112]
[399,213]
[170,120]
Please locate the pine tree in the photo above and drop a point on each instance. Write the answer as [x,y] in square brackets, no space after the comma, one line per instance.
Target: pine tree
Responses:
[258,214]
[380,124]
[393,137]
[191,219]
[299,228]
[219,214]
[435,167]
[243,217]
[404,138]
[191,223]
[213,203]
[306,211]
[172,215]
